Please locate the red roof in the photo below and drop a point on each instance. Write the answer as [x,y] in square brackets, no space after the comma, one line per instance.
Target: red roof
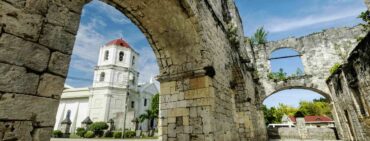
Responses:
[119,42]
[309,119]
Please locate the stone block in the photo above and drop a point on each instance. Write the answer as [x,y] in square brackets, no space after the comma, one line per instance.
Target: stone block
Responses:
[50,86]
[17,51]
[16,130]
[37,6]
[26,107]
[54,37]
[62,16]
[42,134]
[73,5]
[19,23]
[59,63]
[171,130]
[17,79]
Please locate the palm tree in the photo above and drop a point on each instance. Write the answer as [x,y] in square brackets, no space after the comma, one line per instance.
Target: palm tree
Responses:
[149,115]
[259,37]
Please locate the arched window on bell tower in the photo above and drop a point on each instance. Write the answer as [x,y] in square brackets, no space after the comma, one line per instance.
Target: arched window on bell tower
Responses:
[133,60]
[106,55]
[102,76]
[121,54]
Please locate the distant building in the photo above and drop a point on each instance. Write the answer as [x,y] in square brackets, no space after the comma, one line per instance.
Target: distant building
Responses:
[115,79]
[310,121]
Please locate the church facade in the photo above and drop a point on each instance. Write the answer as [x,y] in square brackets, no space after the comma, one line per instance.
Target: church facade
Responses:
[115,93]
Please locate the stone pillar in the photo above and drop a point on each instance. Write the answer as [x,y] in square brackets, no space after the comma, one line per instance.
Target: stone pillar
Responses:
[111,125]
[301,126]
[189,111]
[66,125]
[86,122]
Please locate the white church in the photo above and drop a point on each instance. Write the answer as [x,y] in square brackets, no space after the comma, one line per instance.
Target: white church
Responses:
[115,83]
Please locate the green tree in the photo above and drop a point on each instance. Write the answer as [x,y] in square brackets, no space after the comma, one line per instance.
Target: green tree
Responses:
[259,37]
[314,108]
[155,103]
[365,16]
[274,114]
[150,116]
[321,99]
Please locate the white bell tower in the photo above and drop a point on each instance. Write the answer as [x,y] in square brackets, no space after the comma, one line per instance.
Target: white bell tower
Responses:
[115,76]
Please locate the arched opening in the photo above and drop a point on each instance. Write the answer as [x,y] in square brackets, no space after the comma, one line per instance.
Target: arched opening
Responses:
[293,108]
[106,55]
[102,83]
[287,62]
[102,77]
[121,54]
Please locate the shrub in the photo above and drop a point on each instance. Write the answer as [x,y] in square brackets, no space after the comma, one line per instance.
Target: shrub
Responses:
[108,134]
[117,135]
[129,134]
[57,134]
[89,134]
[278,76]
[80,132]
[334,68]
[98,128]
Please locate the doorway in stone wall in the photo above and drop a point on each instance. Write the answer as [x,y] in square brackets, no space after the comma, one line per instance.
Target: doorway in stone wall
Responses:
[291,110]
[111,77]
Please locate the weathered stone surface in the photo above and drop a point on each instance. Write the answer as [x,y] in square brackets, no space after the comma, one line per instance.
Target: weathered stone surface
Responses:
[50,86]
[17,51]
[56,38]
[75,5]
[20,23]
[17,79]
[350,89]
[16,130]
[27,107]
[42,134]
[37,6]
[62,16]
[320,51]
[59,63]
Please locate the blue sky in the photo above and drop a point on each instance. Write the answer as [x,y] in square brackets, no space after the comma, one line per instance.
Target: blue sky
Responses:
[101,23]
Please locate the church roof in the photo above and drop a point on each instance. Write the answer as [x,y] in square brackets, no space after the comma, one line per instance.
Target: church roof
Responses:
[119,42]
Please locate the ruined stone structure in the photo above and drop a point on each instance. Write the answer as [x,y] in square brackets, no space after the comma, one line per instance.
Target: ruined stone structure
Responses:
[207,89]
[319,52]
[350,88]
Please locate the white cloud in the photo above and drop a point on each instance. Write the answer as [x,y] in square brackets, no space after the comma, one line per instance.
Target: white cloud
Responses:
[147,64]
[281,25]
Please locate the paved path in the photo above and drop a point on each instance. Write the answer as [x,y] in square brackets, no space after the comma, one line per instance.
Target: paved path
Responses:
[65,139]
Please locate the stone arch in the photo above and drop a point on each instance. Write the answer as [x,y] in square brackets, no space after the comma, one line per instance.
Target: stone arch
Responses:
[273,49]
[162,24]
[309,87]
[193,42]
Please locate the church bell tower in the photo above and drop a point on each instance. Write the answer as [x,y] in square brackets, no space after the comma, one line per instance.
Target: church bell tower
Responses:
[115,78]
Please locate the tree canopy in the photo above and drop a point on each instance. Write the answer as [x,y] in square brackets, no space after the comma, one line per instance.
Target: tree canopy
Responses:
[317,107]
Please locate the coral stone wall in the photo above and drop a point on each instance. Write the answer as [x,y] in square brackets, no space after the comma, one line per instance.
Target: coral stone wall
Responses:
[350,87]
[320,51]
[207,90]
